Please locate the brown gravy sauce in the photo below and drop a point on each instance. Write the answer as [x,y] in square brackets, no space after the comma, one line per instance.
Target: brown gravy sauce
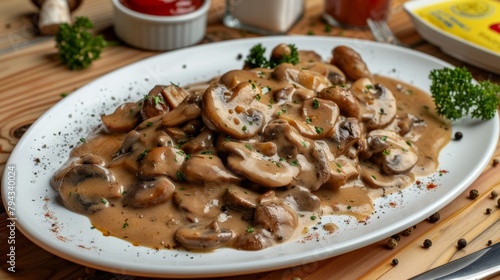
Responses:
[155,226]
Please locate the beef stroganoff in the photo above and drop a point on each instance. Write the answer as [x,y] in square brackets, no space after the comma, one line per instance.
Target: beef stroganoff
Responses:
[251,158]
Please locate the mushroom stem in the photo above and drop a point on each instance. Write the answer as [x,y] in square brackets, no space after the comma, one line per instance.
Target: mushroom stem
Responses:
[53,13]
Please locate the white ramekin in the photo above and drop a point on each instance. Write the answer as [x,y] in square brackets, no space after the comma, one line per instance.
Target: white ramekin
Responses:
[159,33]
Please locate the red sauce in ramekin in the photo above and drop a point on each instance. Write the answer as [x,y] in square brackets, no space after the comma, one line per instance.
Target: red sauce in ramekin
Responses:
[163,7]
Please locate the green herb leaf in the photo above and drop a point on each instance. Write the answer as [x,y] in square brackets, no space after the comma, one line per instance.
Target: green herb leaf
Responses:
[456,95]
[77,47]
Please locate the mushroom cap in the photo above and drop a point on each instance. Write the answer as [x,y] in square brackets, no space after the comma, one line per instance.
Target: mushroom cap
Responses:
[378,104]
[203,237]
[231,111]
[350,62]
[86,188]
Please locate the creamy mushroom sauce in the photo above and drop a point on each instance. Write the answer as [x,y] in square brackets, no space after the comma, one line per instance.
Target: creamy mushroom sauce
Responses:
[252,158]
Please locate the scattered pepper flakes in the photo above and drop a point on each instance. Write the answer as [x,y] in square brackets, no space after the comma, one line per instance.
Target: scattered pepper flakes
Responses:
[473,194]
[427,243]
[461,243]
[431,186]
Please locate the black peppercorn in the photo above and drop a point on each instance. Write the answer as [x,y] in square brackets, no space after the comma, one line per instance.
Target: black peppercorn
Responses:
[494,194]
[489,210]
[473,194]
[395,261]
[427,243]
[495,162]
[458,135]
[396,236]
[461,243]
[434,217]
[391,243]
[490,242]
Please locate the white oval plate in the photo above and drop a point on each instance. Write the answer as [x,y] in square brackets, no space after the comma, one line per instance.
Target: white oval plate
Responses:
[46,145]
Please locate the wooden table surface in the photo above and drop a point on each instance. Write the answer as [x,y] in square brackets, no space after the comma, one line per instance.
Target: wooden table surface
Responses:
[32,80]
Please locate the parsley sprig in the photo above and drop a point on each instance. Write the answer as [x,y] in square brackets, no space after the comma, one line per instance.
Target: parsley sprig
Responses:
[456,95]
[77,47]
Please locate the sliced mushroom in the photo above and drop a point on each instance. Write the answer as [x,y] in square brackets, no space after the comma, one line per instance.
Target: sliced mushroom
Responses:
[123,119]
[371,175]
[342,170]
[204,141]
[253,241]
[347,132]
[302,199]
[154,104]
[199,203]
[378,105]
[162,161]
[398,156]
[241,199]
[347,102]
[174,95]
[331,72]
[203,237]
[266,170]
[150,193]
[315,118]
[232,111]
[350,62]
[202,169]
[86,188]
[188,109]
[310,80]
[277,218]
[300,152]
[56,180]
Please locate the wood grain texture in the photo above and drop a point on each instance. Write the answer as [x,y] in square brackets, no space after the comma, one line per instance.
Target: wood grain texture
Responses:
[32,80]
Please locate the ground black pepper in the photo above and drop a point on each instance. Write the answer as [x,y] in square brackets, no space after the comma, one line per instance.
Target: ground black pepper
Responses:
[461,243]
[458,135]
[473,194]
[427,243]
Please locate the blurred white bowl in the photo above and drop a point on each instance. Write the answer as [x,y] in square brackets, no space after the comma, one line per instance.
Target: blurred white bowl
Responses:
[159,33]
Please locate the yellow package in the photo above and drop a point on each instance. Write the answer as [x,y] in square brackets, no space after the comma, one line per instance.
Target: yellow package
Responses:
[477,21]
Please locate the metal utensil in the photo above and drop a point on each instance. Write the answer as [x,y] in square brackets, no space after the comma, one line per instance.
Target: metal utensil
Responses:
[382,33]
[483,263]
